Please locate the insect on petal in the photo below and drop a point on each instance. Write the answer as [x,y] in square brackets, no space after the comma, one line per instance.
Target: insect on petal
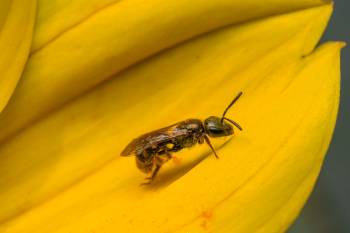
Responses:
[64,168]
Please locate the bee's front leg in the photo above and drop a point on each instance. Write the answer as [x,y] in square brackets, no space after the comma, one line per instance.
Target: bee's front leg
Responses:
[207,140]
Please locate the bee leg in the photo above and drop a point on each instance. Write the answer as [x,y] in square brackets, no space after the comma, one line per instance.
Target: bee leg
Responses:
[159,161]
[175,159]
[207,140]
[168,155]
[154,174]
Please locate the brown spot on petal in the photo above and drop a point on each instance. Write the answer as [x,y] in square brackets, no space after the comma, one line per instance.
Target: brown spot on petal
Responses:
[206,215]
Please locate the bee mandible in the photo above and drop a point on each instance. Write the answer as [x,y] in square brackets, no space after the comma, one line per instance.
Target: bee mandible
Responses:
[155,148]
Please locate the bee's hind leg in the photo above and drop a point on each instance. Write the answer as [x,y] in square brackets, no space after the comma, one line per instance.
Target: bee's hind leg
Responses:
[153,176]
[159,161]
[155,172]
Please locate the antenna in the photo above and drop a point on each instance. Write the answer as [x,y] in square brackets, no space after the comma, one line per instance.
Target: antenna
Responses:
[234,123]
[230,105]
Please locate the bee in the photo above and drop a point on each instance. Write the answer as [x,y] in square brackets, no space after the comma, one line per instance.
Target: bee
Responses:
[155,148]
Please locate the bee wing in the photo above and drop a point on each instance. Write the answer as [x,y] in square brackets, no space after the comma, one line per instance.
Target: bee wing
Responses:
[152,139]
[131,148]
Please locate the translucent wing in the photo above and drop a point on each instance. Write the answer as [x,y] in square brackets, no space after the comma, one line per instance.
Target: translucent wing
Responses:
[153,139]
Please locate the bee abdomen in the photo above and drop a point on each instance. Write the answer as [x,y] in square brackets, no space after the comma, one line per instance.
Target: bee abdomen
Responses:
[144,166]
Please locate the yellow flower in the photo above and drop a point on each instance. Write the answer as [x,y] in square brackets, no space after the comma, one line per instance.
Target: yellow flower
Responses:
[103,72]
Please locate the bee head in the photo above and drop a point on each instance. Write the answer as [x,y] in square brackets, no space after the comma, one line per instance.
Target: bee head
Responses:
[214,127]
[221,126]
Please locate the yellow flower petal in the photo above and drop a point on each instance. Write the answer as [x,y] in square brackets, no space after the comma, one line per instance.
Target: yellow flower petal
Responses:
[65,170]
[74,53]
[16,26]
[57,17]
[275,171]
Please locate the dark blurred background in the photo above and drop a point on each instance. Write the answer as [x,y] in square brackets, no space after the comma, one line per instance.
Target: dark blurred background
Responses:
[328,209]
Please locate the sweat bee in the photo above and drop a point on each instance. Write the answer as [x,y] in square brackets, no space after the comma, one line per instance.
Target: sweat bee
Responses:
[155,148]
